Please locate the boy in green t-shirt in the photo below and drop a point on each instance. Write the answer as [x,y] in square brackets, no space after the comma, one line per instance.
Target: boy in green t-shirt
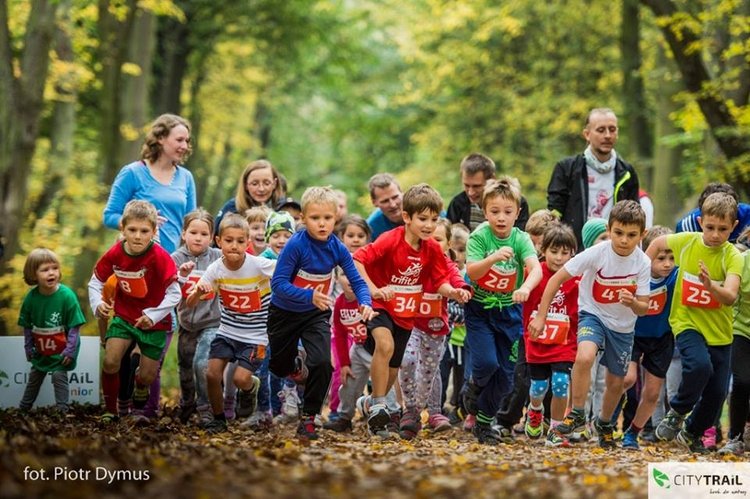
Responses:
[701,318]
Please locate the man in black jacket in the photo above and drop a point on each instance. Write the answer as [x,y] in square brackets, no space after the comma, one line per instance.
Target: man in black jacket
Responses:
[588,185]
[466,207]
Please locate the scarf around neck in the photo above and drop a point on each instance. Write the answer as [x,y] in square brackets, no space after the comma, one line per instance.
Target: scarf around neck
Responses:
[601,167]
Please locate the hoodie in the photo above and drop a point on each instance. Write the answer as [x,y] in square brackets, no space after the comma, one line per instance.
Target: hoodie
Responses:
[206,313]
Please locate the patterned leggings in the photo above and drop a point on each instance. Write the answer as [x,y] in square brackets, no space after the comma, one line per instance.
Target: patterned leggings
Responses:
[419,375]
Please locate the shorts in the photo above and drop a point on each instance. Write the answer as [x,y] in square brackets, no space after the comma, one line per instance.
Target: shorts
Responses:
[617,347]
[544,371]
[400,337]
[248,355]
[151,343]
[654,354]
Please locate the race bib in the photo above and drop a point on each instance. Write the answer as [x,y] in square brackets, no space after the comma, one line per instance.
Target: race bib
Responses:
[657,300]
[50,340]
[499,280]
[695,294]
[609,290]
[555,331]
[405,303]
[132,283]
[320,283]
[192,280]
[431,305]
[240,299]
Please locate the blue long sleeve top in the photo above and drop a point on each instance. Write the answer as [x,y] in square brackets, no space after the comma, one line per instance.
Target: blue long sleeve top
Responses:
[173,201]
[303,253]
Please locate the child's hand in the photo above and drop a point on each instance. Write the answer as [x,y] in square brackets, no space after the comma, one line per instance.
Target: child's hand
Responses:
[704,276]
[186,268]
[626,297]
[536,326]
[321,300]
[367,313]
[346,371]
[384,294]
[66,360]
[503,254]
[104,310]
[460,295]
[143,322]
[520,295]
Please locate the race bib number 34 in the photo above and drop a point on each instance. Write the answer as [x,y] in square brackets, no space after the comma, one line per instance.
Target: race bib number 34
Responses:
[406,301]
[695,294]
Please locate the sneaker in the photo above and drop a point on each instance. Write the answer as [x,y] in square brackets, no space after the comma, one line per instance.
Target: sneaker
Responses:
[471,395]
[485,434]
[734,446]
[378,420]
[306,428]
[438,422]
[630,441]
[709,438]
[333,416]
[108,418]
[289,405]
[363,406]
[394,424]
[411,424]
[185,412]
[606,434]
[230,400]
[582,434]
[124,407]
[670,426]
[503,434]
[470,422]
[339,425]
[574,422]
[690,442]
[746,434]
[214,426]
[519,428]
[258,421]
[648,436]
[454,417]
[555,440]
[247,400]
[533,427]
[204,414]
[300,373]
[138,418]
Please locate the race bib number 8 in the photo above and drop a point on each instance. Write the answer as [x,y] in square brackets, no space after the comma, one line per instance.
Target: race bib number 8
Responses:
[49,341]
[405,303]
[240,299]
[430,305]
[498,280]
[695,294]
[610,290]
[132,283]
[556,329]
[320,283]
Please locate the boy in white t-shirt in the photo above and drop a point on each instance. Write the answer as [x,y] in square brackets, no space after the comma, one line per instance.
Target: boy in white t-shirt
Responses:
[614,290]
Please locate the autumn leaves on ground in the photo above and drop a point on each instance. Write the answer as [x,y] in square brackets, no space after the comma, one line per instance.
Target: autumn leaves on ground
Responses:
[167,459]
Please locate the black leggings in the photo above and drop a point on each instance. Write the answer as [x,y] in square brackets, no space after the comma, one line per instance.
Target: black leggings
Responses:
[739,400]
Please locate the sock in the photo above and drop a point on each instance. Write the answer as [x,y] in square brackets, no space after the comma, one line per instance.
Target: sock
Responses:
[634,429]
[553,423]
[602,422]
[110,387]
[377,400]
[537,406]
[483,418]
[140,393]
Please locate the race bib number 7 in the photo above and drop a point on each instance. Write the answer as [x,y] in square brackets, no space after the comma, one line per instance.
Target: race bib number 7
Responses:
[49,341]
[556,329]
[695,294]
[240,299]
[610,290]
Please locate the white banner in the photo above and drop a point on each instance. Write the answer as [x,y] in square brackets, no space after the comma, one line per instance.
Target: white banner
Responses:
[693,480]
[83,382]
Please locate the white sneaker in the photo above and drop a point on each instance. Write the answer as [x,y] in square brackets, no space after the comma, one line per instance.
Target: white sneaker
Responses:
[735,446]
[289,405]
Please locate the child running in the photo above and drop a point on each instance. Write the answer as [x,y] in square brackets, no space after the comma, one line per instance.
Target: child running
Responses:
[550,355]
[51,318]
[300,305]
[147,293]
[614,291]
[708,282]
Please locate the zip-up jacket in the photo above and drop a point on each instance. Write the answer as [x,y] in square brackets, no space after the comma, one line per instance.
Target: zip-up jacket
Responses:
[459,211]
[206,313]
[568,193]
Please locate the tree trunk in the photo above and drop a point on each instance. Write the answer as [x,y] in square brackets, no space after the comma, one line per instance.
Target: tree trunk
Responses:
[173,49]
[20,110]
[639,130]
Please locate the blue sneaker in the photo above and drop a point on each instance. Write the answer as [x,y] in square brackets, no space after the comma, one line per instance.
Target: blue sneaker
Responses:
[630,441]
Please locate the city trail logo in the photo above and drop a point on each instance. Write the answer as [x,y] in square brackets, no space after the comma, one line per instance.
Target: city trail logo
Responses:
[4,380]
[704,479]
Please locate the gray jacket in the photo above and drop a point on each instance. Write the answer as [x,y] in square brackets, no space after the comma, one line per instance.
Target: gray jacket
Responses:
[206,313]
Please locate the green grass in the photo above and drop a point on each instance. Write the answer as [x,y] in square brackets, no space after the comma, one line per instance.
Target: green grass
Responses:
[170,375]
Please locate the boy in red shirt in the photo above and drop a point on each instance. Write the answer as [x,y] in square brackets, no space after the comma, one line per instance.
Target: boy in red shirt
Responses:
[147,293]
[394,267]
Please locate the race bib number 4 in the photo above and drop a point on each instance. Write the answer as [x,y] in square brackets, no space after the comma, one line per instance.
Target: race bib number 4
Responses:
[132,283]
[240,299]
[695,294]
[49,341]
[431,305]
[499,280]
[610,290]
[320,283]
[405,303]
[657,300]
[555,331]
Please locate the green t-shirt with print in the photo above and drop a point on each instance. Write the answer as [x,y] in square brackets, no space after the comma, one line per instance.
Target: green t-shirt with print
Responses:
[50,317]
[495,289]
[742,306]
[693,306]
